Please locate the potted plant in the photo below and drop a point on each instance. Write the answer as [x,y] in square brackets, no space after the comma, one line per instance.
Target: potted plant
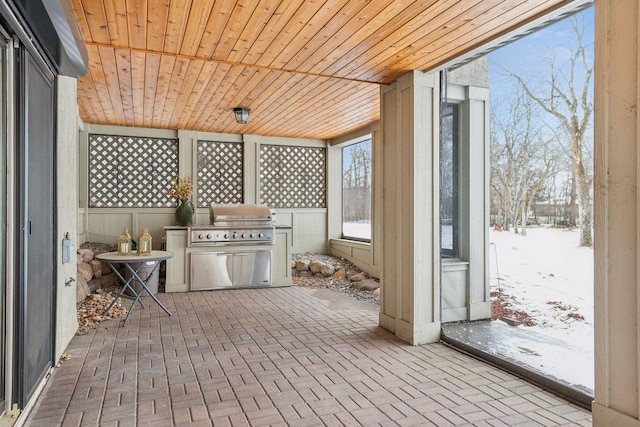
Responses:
[180,189]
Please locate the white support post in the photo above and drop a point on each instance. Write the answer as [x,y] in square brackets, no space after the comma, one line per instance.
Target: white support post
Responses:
[410,300]
[617,214]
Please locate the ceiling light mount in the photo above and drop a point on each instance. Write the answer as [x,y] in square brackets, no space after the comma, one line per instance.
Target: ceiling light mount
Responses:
[242,115]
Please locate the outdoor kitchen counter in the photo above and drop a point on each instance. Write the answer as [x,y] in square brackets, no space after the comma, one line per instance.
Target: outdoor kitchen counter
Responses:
[177,268]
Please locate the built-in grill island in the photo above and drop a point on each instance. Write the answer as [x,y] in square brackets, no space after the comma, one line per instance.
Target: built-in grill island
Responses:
[235,250]
[233,227]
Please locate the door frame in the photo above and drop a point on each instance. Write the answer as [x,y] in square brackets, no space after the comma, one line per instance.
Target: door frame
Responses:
[22,60]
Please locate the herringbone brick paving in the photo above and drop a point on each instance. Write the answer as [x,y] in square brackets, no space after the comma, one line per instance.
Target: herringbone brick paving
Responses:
[279,357]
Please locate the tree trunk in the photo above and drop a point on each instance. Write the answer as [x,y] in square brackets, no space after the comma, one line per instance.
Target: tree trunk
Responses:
[583,195]
[584,206]
[570,213]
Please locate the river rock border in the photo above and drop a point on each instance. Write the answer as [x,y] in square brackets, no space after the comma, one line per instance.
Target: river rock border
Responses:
[337,273]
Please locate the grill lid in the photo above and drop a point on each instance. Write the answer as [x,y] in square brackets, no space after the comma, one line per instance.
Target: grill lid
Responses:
[239,212]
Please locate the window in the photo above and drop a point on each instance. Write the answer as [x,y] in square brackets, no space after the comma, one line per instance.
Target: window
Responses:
[356,191]
[449,181]
[130,172]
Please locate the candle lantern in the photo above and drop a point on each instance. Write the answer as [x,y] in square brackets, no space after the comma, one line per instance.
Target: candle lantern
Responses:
[144,242]
[124,243]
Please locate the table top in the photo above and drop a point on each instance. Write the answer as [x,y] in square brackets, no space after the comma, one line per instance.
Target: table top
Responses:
[114,257]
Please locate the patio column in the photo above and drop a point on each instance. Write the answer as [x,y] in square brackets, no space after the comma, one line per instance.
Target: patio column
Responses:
[616,214]
[410,292]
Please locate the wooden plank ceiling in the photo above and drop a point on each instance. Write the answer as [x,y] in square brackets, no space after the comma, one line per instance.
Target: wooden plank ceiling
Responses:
[305,68]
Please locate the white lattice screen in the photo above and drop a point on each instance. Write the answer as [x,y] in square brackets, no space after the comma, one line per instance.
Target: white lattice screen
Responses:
[219,177]
[292,177]
[130,172]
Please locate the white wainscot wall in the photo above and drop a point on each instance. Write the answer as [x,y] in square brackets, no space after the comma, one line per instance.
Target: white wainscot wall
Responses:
[455,282]
[106,224]
[309,229]
[359,253]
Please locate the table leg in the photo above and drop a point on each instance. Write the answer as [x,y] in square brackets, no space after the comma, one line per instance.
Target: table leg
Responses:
[126,284]
[134,274]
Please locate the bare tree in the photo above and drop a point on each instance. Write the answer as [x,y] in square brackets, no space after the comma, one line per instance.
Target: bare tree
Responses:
[522,161]
[356,183]
[568,98]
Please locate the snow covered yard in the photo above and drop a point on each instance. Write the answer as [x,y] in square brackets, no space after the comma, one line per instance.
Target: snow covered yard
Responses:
[548,276]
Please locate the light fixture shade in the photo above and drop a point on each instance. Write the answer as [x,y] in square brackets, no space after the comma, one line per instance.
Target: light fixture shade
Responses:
[242,115]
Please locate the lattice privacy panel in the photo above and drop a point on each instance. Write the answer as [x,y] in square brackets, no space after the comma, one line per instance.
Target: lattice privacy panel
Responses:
[130,172]
[292,177]
[219,178]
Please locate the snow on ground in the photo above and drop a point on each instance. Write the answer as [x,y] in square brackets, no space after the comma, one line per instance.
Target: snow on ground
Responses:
[547,275]
[360,230]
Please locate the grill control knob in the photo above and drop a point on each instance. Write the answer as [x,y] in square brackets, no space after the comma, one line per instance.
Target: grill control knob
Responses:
[200,237]
[226,235]
[252,235]
[260,235]
[208,236]
[235,236]
[244,235]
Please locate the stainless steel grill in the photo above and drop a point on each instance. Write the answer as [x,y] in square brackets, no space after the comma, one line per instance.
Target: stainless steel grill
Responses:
[234,224]
[233,264]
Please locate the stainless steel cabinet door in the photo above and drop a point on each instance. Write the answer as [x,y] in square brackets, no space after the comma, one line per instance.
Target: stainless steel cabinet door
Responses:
[211,270]
[252,268]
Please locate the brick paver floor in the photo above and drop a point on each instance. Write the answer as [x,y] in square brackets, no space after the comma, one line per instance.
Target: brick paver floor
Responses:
[279,357]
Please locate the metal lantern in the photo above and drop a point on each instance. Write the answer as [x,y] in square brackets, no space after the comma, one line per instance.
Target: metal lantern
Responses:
[144,242]
[124,243]
[242,115]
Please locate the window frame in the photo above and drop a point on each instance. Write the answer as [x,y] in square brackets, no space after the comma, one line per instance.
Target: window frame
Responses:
[364,139]
[455,166]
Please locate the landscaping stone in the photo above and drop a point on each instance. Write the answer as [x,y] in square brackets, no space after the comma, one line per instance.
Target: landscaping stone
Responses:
[316,266]
[82,288]
[327,270]
[339,275]
[367,284]
[88,266]
[86,255]
[105,268]
[302,265]
[334,273]
[97,268]
[358,277]
[85,270]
